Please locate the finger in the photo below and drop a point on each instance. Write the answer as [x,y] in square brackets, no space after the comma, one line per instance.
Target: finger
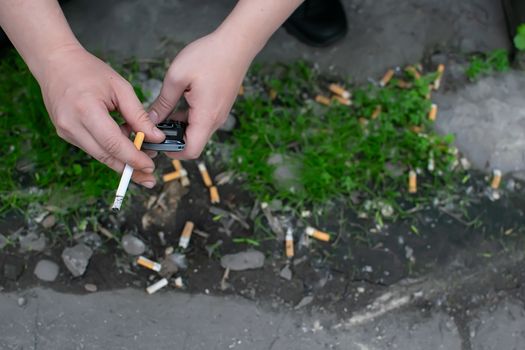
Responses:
[198,133]
[108,135]
[135,115]
[170,93]
[151,154]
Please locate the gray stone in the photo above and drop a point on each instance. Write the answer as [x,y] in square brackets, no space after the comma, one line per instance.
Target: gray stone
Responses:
[287,172]
[229,124]
[49,221]
[91,239]
[3,241]
[286,273]
[32,242]
[76,259]
[251,259]
[46,270]
[90,287]
[22,301]
[133,245]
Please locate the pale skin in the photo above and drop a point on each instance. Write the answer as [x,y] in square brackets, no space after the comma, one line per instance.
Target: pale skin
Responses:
[80,90]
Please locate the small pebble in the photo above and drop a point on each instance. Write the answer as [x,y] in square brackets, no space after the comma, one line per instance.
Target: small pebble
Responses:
[90,287]
[22,301]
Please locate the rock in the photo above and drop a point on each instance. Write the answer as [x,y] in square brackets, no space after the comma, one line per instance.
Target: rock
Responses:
[251,259]
[286,273]
[90,287]
[91,239]
[46,270]
[22,301]
[13,267]
[3,241]
[229,124]
[49,221]
[133,245]
[76,258]
[304,301]
[286,173]
[32,242]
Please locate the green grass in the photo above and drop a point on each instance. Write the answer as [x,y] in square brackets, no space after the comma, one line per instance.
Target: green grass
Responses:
[337,156]
[519,38]
[56,173]
[488,63]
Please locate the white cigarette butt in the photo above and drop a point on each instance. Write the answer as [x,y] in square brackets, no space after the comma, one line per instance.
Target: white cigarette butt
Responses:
[157,285]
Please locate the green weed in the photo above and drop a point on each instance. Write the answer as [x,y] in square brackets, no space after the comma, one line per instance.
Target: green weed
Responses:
[519,38]
[484,64]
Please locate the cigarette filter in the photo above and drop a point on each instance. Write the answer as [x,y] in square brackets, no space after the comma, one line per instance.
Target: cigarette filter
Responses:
[339,91]
[185,236]
[149,264]
[178,282]
[176,164]
[432,114]
[214,195]
[496,179]
[376,112]
[241,90]
[174,175]
[386,78]
[320,235]
[289,244]
[322,100]
[412,182]
[205,175]
[157,285]
[342,100]
[440,71]
[126,176]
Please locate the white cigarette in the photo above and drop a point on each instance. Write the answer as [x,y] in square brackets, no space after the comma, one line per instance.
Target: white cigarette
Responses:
[156,286]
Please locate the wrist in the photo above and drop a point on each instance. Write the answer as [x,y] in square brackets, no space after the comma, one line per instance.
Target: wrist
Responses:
[53,57]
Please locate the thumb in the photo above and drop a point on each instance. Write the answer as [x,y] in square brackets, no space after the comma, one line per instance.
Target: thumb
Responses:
[135,115]
[164,104]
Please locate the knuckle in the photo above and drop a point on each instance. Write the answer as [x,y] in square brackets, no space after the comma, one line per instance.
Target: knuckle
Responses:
[164,102]
[112,145]
[106,158]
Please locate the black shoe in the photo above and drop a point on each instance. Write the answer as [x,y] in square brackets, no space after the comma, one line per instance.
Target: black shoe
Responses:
[318,22]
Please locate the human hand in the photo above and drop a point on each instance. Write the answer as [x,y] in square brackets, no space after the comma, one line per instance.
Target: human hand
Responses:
[79,92]
[208,72]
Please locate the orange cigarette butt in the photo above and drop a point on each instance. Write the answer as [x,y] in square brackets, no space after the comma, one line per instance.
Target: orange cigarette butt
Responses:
[273,94]
[139,138]
[342,100]
[176,164]
[339,91]
[496,179]
[149,264]
[185,236]
[412,182]
[320,235]
[241,90]
[402,84]
[174,175]
[322,100]
[205,175]
[214,195]
[387,77]
[376,112]
[432,114]
[413,71]
[440,71]
[289,245]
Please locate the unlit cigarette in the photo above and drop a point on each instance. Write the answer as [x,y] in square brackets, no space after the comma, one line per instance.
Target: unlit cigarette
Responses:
[174,175]
[412,182]
[432,114]
[157,285]
[496,179]
[376,112]
[176,164]
[342,100]
[322,100]
[205,175]
[126,176]
[185,236]
[214,195]
[320,235]
[440,71]
[339,91]
[149,264]
[289,244]
[387,77]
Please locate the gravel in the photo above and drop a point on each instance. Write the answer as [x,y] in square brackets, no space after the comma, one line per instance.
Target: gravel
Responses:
[251,259]
[46,270]
[133,245]
[76,258]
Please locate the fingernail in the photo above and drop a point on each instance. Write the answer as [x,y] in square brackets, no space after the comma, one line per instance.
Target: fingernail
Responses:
[148,170]
[148,184]
[153,116]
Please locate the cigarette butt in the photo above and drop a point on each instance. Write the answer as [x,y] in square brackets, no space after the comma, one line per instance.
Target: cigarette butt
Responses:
[149,264]
[342,100]
[205,175]
[402,84]
[363,121]
[320,235]
[241,90]
[429,93]
[376,112]
[185,236]
[440,71]
[432,114]
[174,175]
[157,285]
[416,129]
[419,67]
[179,283]
[184,181]
[214,195]
[176,164]
[273,94]
[339,91]
[322,100]
[386,78]
[496,179]
[412,182]
[289,244]
[169,251]
[413,71]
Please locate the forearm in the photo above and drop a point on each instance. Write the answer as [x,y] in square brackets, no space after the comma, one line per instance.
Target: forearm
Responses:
[252,22]
[37,28]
